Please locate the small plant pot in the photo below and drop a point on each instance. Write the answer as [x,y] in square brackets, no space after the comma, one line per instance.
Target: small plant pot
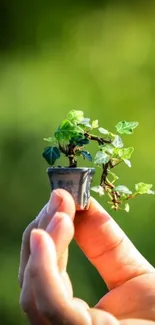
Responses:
[74,180]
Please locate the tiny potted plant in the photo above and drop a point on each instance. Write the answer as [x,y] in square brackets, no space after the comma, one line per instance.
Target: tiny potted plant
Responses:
[70,139]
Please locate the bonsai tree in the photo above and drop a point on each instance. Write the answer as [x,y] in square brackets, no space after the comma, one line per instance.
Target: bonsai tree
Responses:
[72,137]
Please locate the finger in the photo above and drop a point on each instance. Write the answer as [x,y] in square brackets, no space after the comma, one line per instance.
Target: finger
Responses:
[64,233]
[136,322]
[60,200]
[100,317]
[134,299]
[50,294]
[61,230]
[107,247]
[80,302]
[28,305]
[25,246]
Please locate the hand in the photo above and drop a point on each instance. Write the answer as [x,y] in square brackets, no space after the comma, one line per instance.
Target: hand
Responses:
[47,296]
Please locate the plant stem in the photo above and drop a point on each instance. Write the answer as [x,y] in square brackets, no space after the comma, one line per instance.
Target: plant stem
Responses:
[105,183]
[104,174]
[96,138]
[72,162]
[132,196]
[70,154]
[115,196]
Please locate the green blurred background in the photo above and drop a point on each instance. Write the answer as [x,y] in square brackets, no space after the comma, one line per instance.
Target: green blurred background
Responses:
[97,56]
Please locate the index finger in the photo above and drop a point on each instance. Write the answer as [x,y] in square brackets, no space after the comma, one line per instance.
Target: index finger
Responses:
[107,247]
[60,200]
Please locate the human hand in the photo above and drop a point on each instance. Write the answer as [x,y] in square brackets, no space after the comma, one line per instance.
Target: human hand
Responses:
[47,296]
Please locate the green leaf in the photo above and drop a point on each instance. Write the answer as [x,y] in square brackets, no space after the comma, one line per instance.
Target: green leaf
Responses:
[83,142]
[52,140]
[98,189]
[103,131]
[125,153]
[75,139]
[75,116]
[101,158]
[151,192]
[124,127]
[85,122]
[127,207]
[86,155]
[94,124]
[79,140]
[143,188]
[122,189]
[67,130]
[115,161]
[127,162]
[117,142]
[108,148]
[51,154]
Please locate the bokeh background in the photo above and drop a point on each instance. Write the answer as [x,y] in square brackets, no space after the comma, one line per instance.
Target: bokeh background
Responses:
[98,56]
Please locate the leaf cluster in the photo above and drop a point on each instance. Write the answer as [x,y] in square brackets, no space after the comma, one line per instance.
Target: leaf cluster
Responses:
[70,138]
[75,133]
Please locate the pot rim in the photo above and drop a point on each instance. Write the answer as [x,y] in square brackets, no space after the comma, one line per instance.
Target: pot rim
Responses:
[70,169]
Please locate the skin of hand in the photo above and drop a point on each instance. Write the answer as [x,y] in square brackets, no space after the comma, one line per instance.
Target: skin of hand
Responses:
[47,295]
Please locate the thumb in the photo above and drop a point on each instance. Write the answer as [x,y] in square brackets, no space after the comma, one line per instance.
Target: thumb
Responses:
[107,247]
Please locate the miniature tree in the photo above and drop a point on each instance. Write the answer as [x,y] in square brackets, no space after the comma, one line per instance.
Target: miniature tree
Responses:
[71,139]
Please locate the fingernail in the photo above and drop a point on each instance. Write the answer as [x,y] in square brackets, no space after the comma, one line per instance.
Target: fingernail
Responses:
[33,241]
[54,203]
